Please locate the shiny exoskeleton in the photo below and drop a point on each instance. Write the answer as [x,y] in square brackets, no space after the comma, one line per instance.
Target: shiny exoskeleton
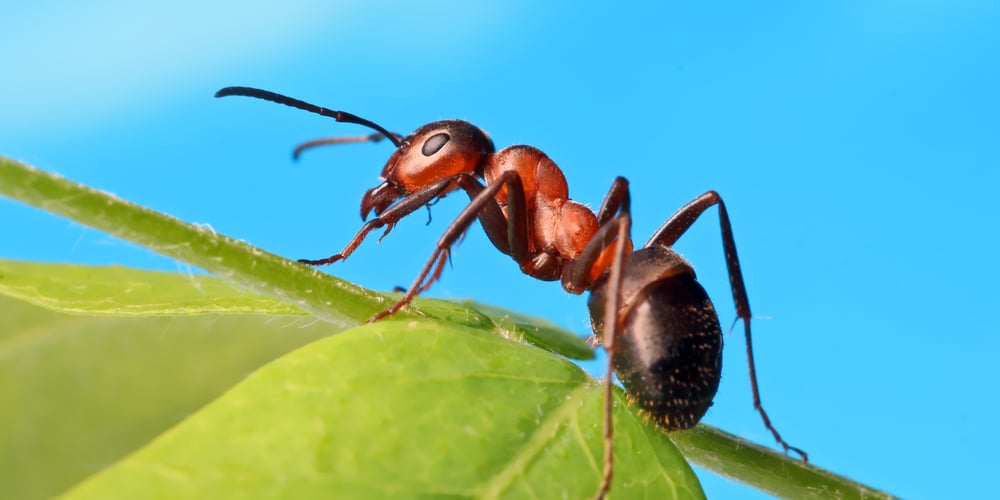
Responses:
[657,323]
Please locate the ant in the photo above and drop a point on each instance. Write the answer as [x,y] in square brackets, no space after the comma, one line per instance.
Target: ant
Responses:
[663,337]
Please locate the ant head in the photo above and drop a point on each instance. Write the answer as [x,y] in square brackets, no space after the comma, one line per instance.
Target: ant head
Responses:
[434,152]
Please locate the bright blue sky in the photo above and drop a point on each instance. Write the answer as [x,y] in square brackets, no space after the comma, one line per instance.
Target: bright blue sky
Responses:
[855,143]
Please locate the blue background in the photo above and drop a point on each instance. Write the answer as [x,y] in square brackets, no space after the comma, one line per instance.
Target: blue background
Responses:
[856,144]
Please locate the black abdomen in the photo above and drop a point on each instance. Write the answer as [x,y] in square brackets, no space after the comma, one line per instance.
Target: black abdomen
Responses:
[669,356]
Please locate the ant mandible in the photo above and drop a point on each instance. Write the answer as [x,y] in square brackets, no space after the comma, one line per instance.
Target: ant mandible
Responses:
[663,339]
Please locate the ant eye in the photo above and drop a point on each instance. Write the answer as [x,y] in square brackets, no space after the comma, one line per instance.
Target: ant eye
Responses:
[435,143]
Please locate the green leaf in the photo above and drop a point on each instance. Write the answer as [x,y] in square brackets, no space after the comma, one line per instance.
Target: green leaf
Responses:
[402,409]
[83,392]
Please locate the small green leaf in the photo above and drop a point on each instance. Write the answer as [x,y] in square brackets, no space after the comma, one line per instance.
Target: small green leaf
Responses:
[403,409]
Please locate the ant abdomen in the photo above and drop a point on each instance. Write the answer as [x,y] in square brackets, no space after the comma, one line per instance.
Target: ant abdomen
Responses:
[668,353]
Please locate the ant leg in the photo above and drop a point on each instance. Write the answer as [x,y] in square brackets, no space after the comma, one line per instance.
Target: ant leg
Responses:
[614,234]
[616,198]
[621,225]
[389,217]
[508,233]
[588,266]
[671,231]
[481,201]
[440,256]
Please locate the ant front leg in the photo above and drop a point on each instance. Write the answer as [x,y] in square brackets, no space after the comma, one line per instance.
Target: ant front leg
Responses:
[389,218]
[671,231]
[482,205]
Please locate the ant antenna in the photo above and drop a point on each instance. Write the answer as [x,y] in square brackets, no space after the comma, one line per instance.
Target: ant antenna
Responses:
[340,116]
[326,141]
